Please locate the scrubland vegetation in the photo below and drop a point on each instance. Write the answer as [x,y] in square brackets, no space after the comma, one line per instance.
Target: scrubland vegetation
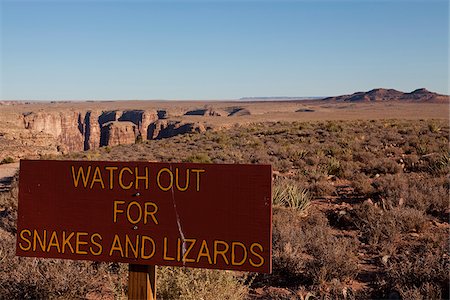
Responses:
[361,210]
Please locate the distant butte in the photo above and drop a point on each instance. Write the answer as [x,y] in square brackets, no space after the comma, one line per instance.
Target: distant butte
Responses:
[383,95]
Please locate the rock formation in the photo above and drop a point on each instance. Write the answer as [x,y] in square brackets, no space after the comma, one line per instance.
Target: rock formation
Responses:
[142,119]
[166,128]
[238,111]
[118,133]
[84,130]
[382,95]
[163,114]
[63,126]
[207,111]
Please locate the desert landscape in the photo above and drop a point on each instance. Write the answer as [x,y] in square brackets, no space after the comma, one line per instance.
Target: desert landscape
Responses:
[360,190]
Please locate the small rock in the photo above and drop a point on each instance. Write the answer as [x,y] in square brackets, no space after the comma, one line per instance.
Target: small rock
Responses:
[369,201]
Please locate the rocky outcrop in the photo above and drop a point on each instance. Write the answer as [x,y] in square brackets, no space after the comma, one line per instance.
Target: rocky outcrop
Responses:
[84,130]
[162,114]
[165,128]
[91,129]
[118,133]
[305,110]
[43,122]
[63,126]
[238,111]
[383,95]
[207,111]
[141,118]
[424,95]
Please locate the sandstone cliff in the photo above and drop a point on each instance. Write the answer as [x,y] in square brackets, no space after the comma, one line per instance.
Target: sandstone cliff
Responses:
[118,133]
[166,128]
[84,130]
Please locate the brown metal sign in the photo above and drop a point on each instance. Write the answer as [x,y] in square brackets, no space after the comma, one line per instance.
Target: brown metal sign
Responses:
[214,216]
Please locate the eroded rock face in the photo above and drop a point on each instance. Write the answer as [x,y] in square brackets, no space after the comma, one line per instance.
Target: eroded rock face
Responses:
[63,126]
[91,129]
[141,118]
[118,133]
[84,130]
[208,111]
[43,122]
[238,111]
[166,128]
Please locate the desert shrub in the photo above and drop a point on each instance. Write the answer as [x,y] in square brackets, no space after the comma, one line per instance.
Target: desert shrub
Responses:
[409,219]
[375,225]
[188,283]
[7,160]
[419,272]
[382,166]
[434,127]
[363,157]
[411,162]
[333,126]
[424,193]
[362,184]
[422,148]
[390,189]
[306,251]
[438,164]
[428,194]
[33,278]
[349,169]
[288,244]
[199,158]
[321,188]
[333,167]
[378,226]
[333,258]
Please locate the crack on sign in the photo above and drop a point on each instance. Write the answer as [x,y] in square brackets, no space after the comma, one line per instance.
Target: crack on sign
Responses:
[180,230]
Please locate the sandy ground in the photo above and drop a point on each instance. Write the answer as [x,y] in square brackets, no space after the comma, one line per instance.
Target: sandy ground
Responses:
[260,111]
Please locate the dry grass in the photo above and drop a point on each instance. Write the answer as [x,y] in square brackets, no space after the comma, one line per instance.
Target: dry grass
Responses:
[193,284]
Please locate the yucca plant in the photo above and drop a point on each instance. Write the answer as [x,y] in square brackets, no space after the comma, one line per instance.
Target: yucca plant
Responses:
[434,127]
[297,198]
[290,195]
[279,194]
[441,165]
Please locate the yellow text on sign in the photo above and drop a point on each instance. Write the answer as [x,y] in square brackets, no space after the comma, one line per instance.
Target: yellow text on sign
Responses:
[125,178]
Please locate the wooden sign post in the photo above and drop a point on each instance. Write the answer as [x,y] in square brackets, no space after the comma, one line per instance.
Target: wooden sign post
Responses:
[147,214]
[142,282]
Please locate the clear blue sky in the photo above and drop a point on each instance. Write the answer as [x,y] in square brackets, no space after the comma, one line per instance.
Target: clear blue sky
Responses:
[220,49]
